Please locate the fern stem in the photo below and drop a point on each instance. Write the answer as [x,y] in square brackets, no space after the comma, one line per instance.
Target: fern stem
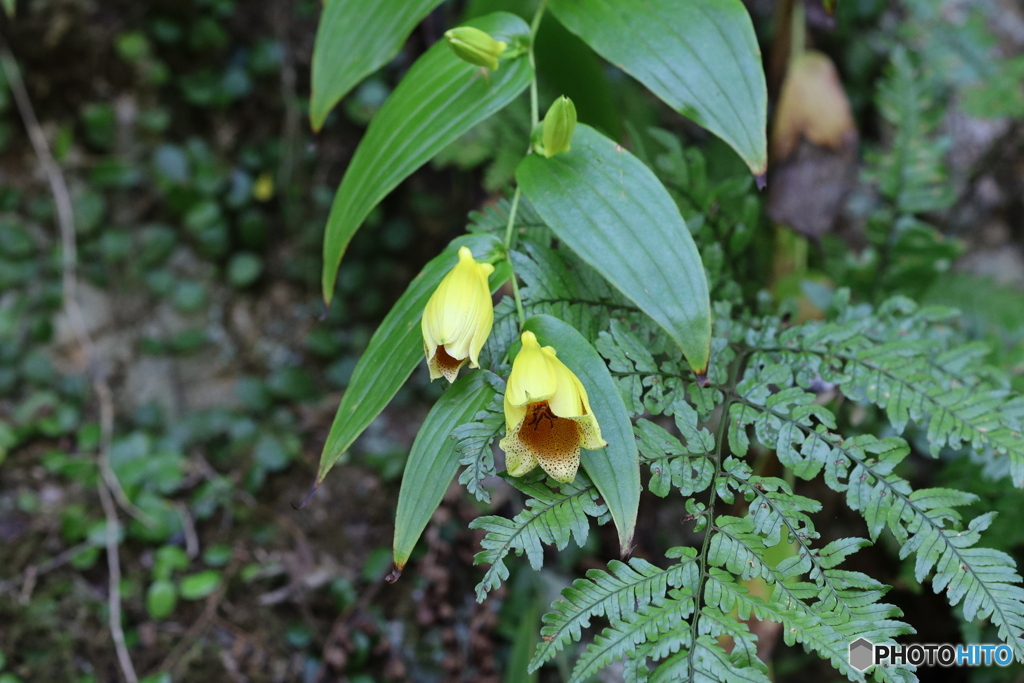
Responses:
[702,558]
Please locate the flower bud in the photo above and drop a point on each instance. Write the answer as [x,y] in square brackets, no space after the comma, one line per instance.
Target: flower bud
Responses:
[458,317]
[558,127]
[475,46]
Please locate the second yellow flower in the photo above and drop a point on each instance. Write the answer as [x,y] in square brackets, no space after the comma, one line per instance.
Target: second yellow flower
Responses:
[458,318]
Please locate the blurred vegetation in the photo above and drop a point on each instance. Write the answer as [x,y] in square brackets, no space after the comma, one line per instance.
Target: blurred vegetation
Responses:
[200,197]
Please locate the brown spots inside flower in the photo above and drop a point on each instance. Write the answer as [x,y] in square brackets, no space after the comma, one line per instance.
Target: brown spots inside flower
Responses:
[446,365]
[553,440]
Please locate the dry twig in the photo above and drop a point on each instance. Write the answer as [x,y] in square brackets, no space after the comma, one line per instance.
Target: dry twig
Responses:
[108,487]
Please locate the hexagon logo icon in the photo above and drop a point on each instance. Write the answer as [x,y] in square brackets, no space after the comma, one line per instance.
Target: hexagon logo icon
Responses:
[862,654]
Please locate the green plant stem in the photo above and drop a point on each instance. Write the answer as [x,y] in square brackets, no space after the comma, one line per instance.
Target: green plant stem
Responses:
[534,118]
[509,233]
[797,31]
[534,25]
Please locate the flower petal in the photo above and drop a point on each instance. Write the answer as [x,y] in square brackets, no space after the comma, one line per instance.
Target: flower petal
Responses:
[590,432]
[442,364]
[518,458]
[568,399]
[532,378]
[514,415]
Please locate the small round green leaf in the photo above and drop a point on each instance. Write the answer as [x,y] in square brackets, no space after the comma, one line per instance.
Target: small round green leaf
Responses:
[161,599]
[199,585]
[244,269]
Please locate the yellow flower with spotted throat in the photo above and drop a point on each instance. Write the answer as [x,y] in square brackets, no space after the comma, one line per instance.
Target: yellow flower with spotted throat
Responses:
[458,318]
[547,415]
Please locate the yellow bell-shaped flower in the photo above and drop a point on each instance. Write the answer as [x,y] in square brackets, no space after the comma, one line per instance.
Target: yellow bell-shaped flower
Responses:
[547,415]
[457,320]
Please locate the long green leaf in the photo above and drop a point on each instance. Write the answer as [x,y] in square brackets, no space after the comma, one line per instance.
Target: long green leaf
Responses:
[524,642]
[699,56]
[614,469]
[396,349]
[432,462]
[611,210]
[354,39]
[438,100]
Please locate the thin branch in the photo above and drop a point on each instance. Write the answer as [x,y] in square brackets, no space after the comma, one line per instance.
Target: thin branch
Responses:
[188,528]
[108,486]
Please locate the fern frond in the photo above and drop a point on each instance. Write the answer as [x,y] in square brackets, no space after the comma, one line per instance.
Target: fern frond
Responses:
[631,361]
[688,467]
[716,623]
[504,332]
[826,632]
[621,639]
[612,594]
[945,390]
[493,218]
[660,386]
[777,515]
[912,173]
[825,616]
[551,517]
[923,522]
[904,380]
[474,441]
[557,282]
[708,662]
[635,669]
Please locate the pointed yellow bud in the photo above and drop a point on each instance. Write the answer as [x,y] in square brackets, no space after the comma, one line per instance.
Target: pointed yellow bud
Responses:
[558,127]
[475,46]
[457,320]
[547,415]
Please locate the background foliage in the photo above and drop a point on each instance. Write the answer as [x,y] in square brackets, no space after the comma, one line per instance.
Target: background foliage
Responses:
[200,198]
